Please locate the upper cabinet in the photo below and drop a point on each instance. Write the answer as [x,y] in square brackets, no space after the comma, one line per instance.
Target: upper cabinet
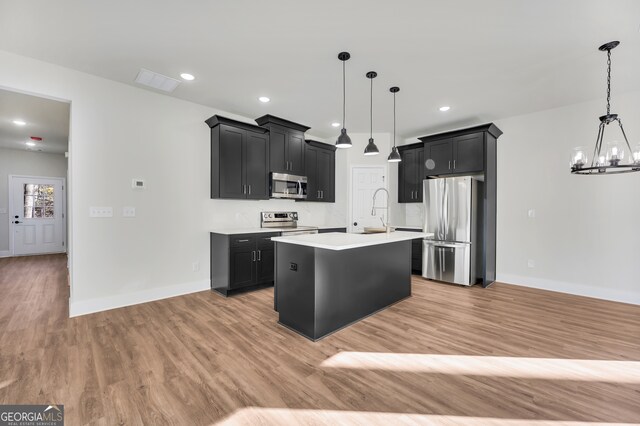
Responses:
[320,168]
[460,152]
[287,146]
[411,172]
[239,159]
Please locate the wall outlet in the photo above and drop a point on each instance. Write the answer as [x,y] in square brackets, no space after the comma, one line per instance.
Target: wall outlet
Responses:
[128,212]
[100,211]
[531,263]
[195,266]
[138,184]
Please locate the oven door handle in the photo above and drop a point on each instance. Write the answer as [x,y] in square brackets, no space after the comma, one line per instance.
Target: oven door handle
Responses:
[299,188]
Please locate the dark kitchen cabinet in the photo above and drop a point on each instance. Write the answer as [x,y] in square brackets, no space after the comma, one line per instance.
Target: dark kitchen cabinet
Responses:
[454,155]
[328,230]
[265,261]
[411,172]
[242,262]
[242,272]
[416,252]
[471,151]
[239,159]
[320,168]
[287,146]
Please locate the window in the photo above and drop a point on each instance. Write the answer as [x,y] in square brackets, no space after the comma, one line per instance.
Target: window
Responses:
[38,201]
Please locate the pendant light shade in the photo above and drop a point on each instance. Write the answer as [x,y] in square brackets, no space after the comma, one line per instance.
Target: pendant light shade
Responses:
[617,156]
[344,141]
[394,156]
[371,148]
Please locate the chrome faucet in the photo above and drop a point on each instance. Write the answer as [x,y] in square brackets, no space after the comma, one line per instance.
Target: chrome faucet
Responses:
[374,208]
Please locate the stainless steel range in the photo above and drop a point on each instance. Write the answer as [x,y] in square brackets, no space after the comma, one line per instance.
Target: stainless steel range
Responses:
[287,222]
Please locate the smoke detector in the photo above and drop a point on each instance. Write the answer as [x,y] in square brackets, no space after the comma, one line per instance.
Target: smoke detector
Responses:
[156,81]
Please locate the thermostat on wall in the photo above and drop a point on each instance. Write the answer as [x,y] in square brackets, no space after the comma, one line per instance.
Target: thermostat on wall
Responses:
[137,184]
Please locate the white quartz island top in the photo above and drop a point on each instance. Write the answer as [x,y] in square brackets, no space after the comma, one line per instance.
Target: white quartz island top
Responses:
[342,241]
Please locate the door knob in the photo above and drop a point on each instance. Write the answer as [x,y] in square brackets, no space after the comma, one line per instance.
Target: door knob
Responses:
[355,223]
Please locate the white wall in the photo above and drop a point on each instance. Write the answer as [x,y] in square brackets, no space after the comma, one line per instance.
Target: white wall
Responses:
[22,162]
[584,238]
[119,132]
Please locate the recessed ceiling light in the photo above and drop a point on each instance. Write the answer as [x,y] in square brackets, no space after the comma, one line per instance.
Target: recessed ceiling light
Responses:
[31,144]
[264,99]
[19,122]
[187,76]
[445,108]
[335,124]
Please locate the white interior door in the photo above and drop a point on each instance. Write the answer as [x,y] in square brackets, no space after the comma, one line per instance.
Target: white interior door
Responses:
[37,215]
[364,182]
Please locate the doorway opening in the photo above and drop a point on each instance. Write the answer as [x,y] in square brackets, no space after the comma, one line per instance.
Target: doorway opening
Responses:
[34,146]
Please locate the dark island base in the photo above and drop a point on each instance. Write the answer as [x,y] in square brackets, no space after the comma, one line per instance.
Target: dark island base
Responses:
[344,326]
[321,291]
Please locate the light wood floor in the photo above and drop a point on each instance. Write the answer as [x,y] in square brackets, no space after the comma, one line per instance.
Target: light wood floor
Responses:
[447,355]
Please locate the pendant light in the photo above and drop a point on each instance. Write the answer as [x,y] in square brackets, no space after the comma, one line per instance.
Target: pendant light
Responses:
[371,148]
[617,157]
[344,141]
[394,157]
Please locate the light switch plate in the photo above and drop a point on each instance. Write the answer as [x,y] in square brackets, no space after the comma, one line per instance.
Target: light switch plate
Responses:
[532,213]
[100,211]
[129,211]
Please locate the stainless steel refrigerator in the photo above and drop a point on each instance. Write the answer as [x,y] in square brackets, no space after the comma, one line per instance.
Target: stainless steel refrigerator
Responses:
[452,213]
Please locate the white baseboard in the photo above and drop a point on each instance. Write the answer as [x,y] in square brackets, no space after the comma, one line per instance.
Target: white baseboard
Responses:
[5,253]
[614,295]
[91,306]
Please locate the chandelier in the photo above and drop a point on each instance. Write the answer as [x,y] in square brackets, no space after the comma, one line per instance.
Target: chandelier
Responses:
[613,157]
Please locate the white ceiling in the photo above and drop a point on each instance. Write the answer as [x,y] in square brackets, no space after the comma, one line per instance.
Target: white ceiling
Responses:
[487,59]
[44,118]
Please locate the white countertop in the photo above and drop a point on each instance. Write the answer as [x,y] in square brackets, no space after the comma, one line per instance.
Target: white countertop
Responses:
[342,241]
[234,231]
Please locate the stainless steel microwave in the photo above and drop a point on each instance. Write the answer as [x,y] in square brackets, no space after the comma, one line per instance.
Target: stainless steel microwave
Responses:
[283,185]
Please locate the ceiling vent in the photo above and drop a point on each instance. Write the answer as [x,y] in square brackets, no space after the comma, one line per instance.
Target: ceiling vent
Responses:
[156,81]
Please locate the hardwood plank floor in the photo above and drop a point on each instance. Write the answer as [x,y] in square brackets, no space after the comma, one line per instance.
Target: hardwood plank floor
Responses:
[507,355]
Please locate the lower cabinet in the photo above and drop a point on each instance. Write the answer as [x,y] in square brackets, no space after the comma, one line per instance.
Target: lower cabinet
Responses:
[239,262]
[327,230]
[416,252]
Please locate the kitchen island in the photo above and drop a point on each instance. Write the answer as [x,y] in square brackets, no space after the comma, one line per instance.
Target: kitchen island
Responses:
[324,282]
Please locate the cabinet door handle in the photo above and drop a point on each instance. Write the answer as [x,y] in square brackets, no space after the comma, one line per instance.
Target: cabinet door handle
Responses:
[259,255]
[322,194]
[454,164]
[253,256]
[243,241]
[249,189]
[449,164]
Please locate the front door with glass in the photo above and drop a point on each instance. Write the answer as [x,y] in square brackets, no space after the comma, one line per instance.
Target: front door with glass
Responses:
[37,215]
